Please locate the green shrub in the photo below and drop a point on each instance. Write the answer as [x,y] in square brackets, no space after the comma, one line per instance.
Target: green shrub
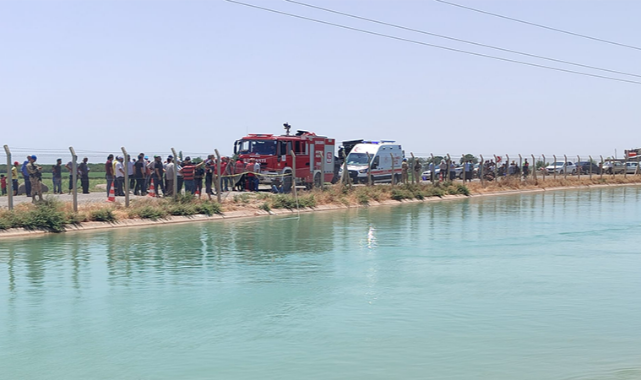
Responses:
[150,212]
[284,201]
[7,220]
[362,198]
[462,189]
[400,193]
[47,215]
[102,215]
[242,198]
[208,208]
[176,208]
[265,207]
[307,201]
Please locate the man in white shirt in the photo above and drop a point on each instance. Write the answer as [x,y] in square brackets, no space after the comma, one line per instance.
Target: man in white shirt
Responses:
[120,177]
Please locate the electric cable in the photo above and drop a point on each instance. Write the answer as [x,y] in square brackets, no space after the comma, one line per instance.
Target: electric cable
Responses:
[431,45]
[462,40]
[539,25]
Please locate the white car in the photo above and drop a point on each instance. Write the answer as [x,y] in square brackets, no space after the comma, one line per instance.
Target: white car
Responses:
[631,168]
[561,168]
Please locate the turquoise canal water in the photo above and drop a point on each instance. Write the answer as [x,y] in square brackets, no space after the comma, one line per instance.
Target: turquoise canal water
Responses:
[533,286]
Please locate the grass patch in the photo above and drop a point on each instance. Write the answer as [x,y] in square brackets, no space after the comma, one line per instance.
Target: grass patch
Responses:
[105,214]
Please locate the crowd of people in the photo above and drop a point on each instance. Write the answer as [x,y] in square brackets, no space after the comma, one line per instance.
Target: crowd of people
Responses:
[144,174]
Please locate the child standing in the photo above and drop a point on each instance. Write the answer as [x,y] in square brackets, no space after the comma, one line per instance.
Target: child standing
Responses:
[3,182]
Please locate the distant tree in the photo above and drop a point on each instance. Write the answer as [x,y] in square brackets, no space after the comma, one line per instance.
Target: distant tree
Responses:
[437,160]
[540,164]
[469,157]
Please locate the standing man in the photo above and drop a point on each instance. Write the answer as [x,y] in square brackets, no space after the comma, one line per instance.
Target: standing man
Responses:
[170,170]
[83,171]
[158,169]
[14,180]
[431,167]
[468,170]
[56,170]
[405,167]
[109,172]
[69,167]
[25,176]
[120,177]
[130,173]
[249,176]
[35,177]
[210,168]
[187,171]
[417,170]
[443,168]
[526,169]
[139,175]
[225,172]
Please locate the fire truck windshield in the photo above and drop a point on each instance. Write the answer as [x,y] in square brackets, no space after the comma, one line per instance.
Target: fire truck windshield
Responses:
[357,159]
[262,147]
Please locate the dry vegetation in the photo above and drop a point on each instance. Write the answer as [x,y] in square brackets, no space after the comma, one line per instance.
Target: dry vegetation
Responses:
[53,215]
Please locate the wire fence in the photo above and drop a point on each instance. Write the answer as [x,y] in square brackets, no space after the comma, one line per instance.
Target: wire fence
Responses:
[420,166]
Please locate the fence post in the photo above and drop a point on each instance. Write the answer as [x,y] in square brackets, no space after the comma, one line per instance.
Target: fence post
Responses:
[565,167]
[480,172]
[520,167]
[507,165]
[393,175]
[411,168]
[638,170]
[9,177]
[554,156]
[126,167]
[578,168]
[447,171]
[591,163]
[291,152]
[175,173]
[533,166]
[544,171]
[625,167]
[218,184]
[369,170]
[432,171]
[601,167]
[74,176]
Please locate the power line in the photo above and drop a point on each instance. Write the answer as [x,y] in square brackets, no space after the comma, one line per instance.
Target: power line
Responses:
[539,25]
[461,40]
[430,45]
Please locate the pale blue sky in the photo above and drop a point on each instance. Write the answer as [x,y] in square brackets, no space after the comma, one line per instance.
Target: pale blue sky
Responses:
[197,75]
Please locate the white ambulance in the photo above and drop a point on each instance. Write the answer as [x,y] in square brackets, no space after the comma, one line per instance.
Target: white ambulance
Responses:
[385,158]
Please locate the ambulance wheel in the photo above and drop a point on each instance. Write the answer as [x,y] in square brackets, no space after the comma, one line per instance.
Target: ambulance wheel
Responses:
[397,178]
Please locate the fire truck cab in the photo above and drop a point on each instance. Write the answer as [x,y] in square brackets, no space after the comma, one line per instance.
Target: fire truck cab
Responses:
[314,157]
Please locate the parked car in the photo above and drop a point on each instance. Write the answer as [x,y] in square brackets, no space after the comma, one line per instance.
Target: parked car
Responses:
[615,167]
[458,173]
[631,168]
[585,167]
[561,168]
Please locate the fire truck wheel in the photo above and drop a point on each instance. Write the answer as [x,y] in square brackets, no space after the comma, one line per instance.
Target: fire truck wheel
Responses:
[317,180]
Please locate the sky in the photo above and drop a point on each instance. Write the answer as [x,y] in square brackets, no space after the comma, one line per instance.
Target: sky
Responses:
[198,75]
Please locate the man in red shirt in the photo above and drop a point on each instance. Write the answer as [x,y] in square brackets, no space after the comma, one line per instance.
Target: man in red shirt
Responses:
[188,169]
[109,170]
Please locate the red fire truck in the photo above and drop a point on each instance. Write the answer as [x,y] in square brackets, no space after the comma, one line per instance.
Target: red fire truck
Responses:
[314,156]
